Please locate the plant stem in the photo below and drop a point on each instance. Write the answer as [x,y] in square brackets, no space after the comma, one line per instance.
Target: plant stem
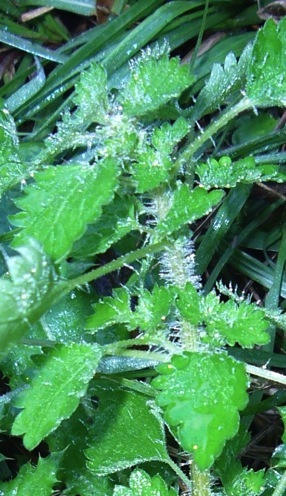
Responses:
[178,265]
[212,129]
[138,354]
[201,481]
[189,336]
[181,474]
[280,489]
[117,264]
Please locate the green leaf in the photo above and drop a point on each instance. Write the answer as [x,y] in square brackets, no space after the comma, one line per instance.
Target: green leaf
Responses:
[91,101]
[12,169]
[224,322]
[55,391]
[25,295]
[131,431]
[224,173]
[271,172]
[187,206]
[111,310]
[167,136]
[88,484]
[19,366]
[230,323]
[200,395]
[58,206]
[154,163]
[91,95]
[7,412]
[278,459]
[117,219]
[155,80]
[282,411]
[141,484]
[152,309]
[248,483]
[151,170]
[92,106]
[38,479]
[266,78]
[188,303]
[76,428]
[64,321]
[235,478]
[222,82]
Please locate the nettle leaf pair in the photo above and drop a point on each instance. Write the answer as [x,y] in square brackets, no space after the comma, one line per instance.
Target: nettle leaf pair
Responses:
[220,323]
[200,392]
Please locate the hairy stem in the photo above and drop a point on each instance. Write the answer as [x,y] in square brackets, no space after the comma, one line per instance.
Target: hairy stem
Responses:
[201,481]
[211,130]
[117,264]
[181,475]
[189,336]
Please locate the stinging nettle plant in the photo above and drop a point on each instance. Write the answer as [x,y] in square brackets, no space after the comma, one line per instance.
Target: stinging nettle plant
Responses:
[122,180]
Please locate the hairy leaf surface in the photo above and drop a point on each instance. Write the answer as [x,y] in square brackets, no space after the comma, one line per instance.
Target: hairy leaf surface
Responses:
[151,170]
[88,484]
[187,206]
[223,322]
[31,479]
[230,323]
[152,309]
[55,391]
[25,293]
[111,310]
[266,78]
[131,431]
[153,82]
[91,95]
[222,81]
[65,320]
[141,484]
[92,105]
[117,219]
[167,136]
[12,169]
[189,304]
[236,479]
[58,206]
[18,364]
[73,471]
[154,163]
[224,173]
[200,395]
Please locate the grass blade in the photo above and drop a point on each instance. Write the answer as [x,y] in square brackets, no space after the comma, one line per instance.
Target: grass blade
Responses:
[27,46]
